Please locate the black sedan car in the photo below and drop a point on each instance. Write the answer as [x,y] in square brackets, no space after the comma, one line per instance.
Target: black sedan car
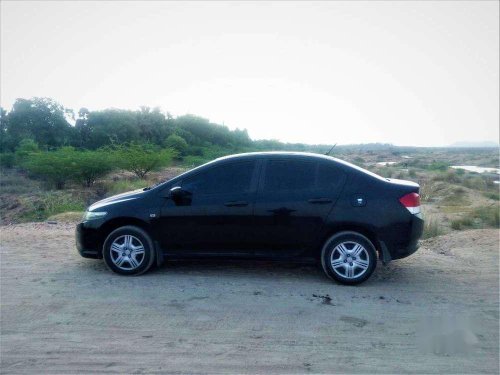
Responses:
[272,205]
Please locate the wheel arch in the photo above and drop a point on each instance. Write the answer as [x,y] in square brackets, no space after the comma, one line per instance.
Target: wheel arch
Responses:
[369,233]
[118,222]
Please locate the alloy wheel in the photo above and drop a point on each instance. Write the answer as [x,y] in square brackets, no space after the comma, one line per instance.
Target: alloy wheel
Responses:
[127,252]
[350,259]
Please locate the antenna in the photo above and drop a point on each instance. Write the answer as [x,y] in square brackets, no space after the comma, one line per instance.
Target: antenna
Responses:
[328,153]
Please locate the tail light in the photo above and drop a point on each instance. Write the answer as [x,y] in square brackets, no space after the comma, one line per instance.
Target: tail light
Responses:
[412,202]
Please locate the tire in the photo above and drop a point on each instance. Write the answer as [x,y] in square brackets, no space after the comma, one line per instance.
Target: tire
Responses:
[349,258]
[128,250]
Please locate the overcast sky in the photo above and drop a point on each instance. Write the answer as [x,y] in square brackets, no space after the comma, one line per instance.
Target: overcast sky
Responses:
[407,73]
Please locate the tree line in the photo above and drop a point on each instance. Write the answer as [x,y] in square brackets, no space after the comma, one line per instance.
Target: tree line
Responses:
[51,125]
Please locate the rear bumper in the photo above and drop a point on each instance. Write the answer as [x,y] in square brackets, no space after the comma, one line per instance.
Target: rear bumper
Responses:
[87,242]
[411,244]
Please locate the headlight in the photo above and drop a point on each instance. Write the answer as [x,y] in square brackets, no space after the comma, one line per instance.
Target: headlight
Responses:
[91,215]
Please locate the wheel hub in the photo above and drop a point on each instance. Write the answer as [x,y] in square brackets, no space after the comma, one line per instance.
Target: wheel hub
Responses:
[350,259]
[127,252]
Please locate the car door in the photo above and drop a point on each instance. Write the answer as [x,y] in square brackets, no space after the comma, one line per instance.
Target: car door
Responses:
[294,198]
[219,216]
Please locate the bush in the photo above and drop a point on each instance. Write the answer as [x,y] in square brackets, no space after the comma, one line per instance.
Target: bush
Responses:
[494,195]
[56,167]
[431,228]
[7,160]
[450,176]
[476,183]
[26,147]
[438,166]
[480,217]
[141,158]
[177,143]
[90,165]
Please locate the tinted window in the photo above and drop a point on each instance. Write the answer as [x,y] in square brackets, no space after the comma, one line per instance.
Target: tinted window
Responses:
[329,177]
[222,179]
[293,175]
[289,175]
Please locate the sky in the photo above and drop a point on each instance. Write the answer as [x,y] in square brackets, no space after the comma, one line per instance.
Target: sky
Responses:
[423,73]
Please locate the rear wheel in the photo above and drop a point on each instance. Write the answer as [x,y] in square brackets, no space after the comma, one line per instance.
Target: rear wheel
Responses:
[348,257]
[128,250]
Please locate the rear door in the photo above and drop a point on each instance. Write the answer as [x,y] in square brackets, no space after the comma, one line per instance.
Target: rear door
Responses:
[294,198]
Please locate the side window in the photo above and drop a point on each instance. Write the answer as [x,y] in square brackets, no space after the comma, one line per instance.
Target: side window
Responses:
[329,177]
[222,179]
[289,175]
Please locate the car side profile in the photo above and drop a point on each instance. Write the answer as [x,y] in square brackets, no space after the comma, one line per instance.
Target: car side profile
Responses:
[268,205]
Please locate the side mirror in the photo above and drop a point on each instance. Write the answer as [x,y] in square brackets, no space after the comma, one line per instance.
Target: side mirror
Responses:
[180,196]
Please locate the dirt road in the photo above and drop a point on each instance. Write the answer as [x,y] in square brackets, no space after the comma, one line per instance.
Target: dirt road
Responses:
[64,314]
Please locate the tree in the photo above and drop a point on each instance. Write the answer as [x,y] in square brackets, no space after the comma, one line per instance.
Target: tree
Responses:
[5,139]
[177,143]
[40,119]
[111,126]
[82,128]
[141,158]
[153,126]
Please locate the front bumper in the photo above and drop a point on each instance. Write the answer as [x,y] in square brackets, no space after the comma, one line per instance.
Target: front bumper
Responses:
[87,242]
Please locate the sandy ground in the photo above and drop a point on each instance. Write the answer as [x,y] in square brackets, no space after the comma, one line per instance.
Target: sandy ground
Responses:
[435,312]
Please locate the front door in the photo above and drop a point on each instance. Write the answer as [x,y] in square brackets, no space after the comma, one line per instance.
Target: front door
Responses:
[219,216]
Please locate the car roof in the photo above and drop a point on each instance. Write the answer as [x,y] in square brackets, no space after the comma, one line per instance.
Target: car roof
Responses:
[292,154]
[276,153]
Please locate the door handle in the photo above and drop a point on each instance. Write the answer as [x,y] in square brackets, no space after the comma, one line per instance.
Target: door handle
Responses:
[236,204]
[320,200]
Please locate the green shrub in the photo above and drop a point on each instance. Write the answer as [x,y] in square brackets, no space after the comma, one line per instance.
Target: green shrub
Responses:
[480,217]
[177,143]
[438,166]
[7,160]
[26,147]
[141,158]
[91,165]
[67,164]
[56,167]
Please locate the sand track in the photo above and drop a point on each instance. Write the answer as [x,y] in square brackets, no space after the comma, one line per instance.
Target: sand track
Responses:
[61,313]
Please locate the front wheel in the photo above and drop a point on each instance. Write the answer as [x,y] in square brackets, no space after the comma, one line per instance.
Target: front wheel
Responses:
[128,250]
[348,257]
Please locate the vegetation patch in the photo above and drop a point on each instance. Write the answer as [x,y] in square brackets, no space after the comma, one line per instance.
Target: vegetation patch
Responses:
[47,204]
[480,217]
[432,228]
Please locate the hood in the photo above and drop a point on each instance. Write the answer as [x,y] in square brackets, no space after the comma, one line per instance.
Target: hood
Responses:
[128,196]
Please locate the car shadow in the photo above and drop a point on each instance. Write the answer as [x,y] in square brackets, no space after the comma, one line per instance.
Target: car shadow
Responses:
[239,267]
